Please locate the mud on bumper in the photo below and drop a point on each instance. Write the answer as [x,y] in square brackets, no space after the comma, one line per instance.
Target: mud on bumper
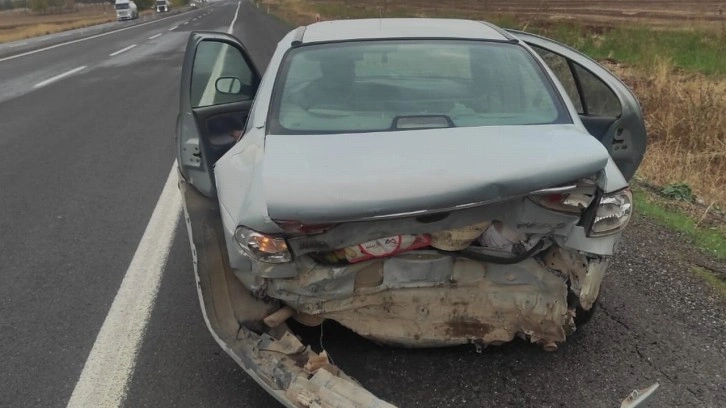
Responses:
[428,299]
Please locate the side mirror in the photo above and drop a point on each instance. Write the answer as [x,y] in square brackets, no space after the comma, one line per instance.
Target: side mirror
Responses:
[229,85]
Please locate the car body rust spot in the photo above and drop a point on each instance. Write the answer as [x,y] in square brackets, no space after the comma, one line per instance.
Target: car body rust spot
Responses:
[463,327]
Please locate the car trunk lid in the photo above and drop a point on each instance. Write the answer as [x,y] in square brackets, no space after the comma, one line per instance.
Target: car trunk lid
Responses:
[334,178]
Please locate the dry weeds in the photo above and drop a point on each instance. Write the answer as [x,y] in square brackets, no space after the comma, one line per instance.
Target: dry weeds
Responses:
[686,119]
[671,14]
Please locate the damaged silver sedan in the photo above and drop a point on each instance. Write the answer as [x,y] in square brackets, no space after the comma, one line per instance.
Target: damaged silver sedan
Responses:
[422,182]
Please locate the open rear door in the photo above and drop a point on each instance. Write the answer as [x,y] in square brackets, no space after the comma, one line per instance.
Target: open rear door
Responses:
[219,82]
[607,107]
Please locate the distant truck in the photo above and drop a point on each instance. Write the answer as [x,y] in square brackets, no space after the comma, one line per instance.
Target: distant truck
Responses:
[163,6]
[126,10]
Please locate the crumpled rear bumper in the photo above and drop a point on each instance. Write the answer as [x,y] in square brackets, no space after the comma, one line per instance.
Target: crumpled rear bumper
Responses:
[291,372]
[427,298]
[297,376]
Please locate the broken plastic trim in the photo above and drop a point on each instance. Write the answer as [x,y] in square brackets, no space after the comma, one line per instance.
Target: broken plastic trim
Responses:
[626,196]
[289,371]
[465,253]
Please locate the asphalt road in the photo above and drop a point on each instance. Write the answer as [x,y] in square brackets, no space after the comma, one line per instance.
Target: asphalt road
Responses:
[83,159]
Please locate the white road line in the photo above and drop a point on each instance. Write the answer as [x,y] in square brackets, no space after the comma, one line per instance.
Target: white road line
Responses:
[110,364]
[210,90]
[113,54]
[57,77]
[155,36]
[17,45]
[234,20]
[174,28]
[82,39]
[185,23]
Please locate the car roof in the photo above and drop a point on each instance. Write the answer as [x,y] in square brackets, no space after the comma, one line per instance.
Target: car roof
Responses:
[391,28]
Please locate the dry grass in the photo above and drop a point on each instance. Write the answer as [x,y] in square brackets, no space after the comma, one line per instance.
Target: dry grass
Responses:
[675,14]
[686,120]
[18,25]
[299,12]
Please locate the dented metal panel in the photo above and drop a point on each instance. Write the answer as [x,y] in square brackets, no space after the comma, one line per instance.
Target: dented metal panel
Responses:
[493,307]
[333,182]
[278,363]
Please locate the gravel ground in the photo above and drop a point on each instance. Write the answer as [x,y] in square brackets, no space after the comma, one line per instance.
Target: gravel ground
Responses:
[657,321]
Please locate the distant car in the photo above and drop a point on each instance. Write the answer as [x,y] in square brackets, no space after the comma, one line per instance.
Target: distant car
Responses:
[126,10]
[193,5]
[422,182]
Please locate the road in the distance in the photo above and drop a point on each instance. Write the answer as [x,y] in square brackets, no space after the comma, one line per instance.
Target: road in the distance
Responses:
[83,159]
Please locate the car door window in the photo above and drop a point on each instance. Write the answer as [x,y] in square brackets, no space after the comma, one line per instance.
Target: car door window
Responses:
[558,64]
[587,92]
[215,60]
[599,100]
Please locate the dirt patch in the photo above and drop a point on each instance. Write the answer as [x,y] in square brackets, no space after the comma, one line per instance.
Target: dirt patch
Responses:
[665,13]
[21,24]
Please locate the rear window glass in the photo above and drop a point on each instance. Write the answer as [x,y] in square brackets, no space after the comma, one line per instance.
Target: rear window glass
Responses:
[390,85]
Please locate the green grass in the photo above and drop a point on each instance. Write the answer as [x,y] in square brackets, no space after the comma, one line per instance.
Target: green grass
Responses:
[714,281]
[711,241]
[699,51]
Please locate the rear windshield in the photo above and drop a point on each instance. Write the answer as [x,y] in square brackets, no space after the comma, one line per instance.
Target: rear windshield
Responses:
[122,6]
[161,3]
[392,85]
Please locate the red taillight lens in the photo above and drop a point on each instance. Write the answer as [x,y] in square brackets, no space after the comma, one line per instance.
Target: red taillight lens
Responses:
[566,202]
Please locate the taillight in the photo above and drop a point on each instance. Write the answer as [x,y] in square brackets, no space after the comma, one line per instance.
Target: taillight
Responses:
[612,214]
[262,247]
[574,203]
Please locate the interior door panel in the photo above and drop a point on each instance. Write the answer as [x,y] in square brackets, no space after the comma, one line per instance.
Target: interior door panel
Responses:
[608,108]
[211,115]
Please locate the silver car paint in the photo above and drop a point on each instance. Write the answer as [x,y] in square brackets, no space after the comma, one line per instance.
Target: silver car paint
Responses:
[331,177]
